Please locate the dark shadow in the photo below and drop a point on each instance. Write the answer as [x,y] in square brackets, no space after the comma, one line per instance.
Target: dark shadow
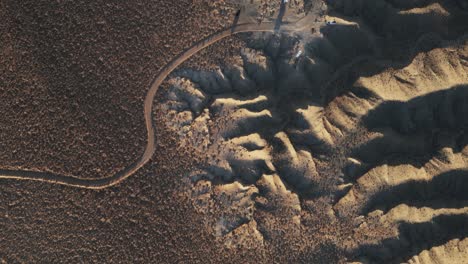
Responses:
[416,130]
[384,18]
[236,20]
[414,238]
[349,40]
[324,253]
[447,190]
[314,6]
[281,13]
[396,39]
[349,52]
[410,4]
[443,110]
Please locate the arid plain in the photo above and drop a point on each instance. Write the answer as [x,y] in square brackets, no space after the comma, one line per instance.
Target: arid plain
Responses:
[298,132]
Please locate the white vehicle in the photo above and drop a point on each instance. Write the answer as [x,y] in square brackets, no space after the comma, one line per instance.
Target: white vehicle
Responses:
[298,54]
[285,1]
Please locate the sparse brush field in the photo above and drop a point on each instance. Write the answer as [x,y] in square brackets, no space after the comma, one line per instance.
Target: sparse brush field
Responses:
[348,145]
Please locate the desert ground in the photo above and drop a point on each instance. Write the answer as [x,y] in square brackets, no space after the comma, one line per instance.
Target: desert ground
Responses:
[179,132]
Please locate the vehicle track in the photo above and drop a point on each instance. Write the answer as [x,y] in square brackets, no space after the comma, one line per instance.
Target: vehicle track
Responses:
[148,106]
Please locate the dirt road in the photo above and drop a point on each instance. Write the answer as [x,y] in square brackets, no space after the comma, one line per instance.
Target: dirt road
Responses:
[148,106]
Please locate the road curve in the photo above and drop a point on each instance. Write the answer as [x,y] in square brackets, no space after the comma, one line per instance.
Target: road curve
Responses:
[148,106]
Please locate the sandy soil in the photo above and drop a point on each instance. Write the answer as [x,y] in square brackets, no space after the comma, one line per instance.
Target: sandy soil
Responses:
[365,132]
[74,77]
[353,151]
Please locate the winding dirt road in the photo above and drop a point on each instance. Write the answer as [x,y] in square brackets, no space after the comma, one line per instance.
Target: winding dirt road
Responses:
[148,106]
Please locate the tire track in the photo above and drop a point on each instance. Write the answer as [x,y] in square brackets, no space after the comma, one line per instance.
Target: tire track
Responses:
[101,183]
[148,106]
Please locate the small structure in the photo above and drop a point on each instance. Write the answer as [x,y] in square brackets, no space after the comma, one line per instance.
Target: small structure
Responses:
[298,54]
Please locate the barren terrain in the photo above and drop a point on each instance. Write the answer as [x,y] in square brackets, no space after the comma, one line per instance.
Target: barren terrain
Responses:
[346,143]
